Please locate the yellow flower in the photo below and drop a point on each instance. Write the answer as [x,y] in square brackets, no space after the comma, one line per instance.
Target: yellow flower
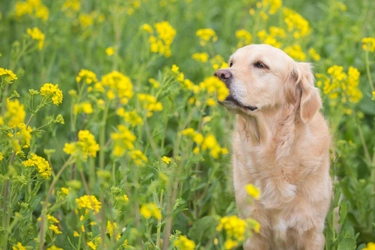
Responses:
[234,227]
[206,35]
[211,102]
[1,156]
[8,75]
[166,159]
[76,234]
[89,202]
[150,209]
[15,112]
[150,104]
[183,243]
[52,219]
[253,191]
[55,229]
[110,51]
[119,84]
[230,244]
[91,245]
[272,5]
[368,44]
[84,147]
[244,37]
[84,107]
[48,90]
[131,117]
[123,140]
[161,41]
[75,5]
[373,96]
[44,169]
[36,34]
[147,27]
[200,57]
[138,157]
[212,84]
[314,55]
[295,51]
[154,83]
[370,246]
[53,247]
[111,229]
[18,247]
[296,23]
[87,75]
[85,20]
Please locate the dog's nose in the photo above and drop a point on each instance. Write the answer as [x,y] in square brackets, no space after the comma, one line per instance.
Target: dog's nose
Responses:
[223,74]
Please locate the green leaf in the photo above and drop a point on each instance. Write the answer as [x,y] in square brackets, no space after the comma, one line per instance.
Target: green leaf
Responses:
[347,244]
[203,229]
[343,212]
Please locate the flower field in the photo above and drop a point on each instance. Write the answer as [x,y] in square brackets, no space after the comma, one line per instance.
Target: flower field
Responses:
[111,135]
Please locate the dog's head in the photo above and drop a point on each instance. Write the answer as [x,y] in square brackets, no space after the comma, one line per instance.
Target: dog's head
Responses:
[261,77]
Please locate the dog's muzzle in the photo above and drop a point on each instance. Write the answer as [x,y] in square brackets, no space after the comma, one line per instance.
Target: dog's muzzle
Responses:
[226,76]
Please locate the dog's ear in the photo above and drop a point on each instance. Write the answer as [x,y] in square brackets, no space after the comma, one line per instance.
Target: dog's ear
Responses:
[310,98]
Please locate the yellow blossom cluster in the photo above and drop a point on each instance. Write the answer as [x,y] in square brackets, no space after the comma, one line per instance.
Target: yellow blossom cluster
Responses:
[23,135]
[183,243]
[296,23]
[51,222]
[89,202]
[342,84]
[138,157]
[123,140]
[272,37]
[244,37]
[207,143]
[368,44]
[313,54]
[166,159]
[206,35]
[86,76]
[84,147]
[161,41]
[119,84]
[71,4]
[212,84]
[253,191]
[18,246]
[53,247]
[84,107]
[149,210]
[48,90]
[200,57]
[32,8]
[44,169]
[272,5]
[110,51]
[235,229]
[218,62]
[15,112]
[155,84]
[111,230]
[295,52]
[37,35]
[370,246]
[7,75]
[130,116]
[186,83]
[150,104]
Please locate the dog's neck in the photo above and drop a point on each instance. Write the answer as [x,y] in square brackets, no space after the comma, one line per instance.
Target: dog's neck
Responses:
[274,129]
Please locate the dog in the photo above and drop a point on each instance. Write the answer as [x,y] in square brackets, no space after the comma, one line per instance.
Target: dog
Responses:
[281,145]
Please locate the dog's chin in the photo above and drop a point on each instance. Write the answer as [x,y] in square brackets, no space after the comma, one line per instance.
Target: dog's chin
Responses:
[233,104]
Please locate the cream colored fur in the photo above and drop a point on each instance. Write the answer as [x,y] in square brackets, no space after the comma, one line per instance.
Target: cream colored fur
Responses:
[282,147]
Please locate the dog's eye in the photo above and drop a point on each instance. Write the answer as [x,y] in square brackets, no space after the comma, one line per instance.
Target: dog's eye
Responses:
[260,65]
[230,64]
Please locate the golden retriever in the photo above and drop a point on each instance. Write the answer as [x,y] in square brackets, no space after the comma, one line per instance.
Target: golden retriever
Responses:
[281,145]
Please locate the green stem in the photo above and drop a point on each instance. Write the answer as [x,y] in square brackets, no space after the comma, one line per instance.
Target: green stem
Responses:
[45,205]
[102,137]
[369,72]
